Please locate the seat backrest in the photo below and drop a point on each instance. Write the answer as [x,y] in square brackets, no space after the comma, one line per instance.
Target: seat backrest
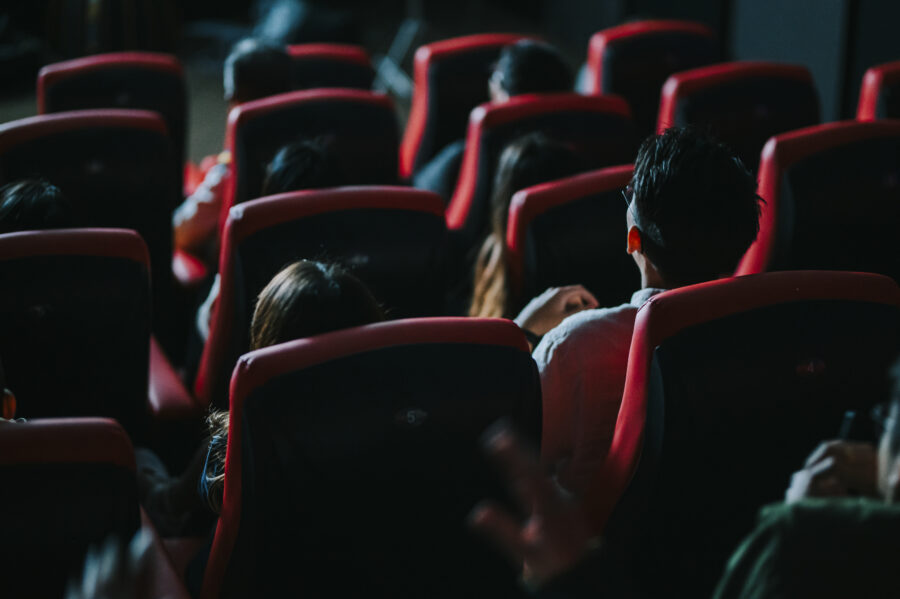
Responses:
[75,323]
[331,65]
[115,167]
[742,104]
[730,385]
[598,128]
[67,485]
[633,60]
[450,78]
[832,197]
[879,96]
[572,231]
[392,238]
[359,127]
[353,459]
[143,80]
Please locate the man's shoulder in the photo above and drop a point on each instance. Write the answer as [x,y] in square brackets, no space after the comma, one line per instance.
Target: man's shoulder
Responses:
[601,325]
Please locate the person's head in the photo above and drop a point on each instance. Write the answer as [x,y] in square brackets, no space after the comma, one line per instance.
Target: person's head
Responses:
[889,447]
[32,204]
[256,69]
[300,165]
[528,160]
[310,298]
[529,67]
[693,209]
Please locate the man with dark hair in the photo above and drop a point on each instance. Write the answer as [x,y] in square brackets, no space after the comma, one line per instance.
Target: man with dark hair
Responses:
[254,69]
[692,213]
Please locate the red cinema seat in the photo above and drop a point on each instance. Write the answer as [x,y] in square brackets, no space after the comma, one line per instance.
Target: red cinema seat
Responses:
[392,238]
[69,485]
[832,197]
[116,168]
[879,96]
[572,231]
[353,458]
[75,325]
[142,80]
[633,60]
[742,104]
[599,129]
[730,385]
[331,65]
[450,79]
[359,127]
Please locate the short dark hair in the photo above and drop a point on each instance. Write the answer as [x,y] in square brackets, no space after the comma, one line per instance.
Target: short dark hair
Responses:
[32,204]
[695,204]
[533,67]
[304,164]
[256,69]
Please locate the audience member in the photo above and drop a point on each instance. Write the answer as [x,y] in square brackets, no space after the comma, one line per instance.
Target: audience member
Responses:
[835,536]
[306,298]
[304,164]
[254,69]
[31,205]
[527,161]
[692,212]
[525,67]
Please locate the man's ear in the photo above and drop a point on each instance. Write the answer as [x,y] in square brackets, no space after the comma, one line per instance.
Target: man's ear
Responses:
[7,405]
[634,240]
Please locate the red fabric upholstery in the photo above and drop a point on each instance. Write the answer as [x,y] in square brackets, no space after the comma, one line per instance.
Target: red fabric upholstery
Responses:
[471,191]
[52,74]
[104,373]
[252,217]
[780,153]
[664,315]
[169,399]
[304,109]
[876,83]
[743,104]
[529,203]
[256,369]
[66,440]
[336,52]
[421,120]
[603,40]
[13,133]
[163,578]
[112,243]
[331,65]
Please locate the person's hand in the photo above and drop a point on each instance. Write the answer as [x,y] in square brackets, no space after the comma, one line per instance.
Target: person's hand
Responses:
[114,570]
[836,469]
[549,309]
[554,537]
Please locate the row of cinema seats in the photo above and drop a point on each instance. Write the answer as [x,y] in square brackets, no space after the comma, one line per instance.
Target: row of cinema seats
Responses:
[422,390]
[353,459]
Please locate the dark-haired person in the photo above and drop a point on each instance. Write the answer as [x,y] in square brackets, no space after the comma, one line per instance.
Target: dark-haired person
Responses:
[304,164]
[524,67]
[254,69]
[692,212]
[32,204]
[835,536]
[304,299]
[527,161]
